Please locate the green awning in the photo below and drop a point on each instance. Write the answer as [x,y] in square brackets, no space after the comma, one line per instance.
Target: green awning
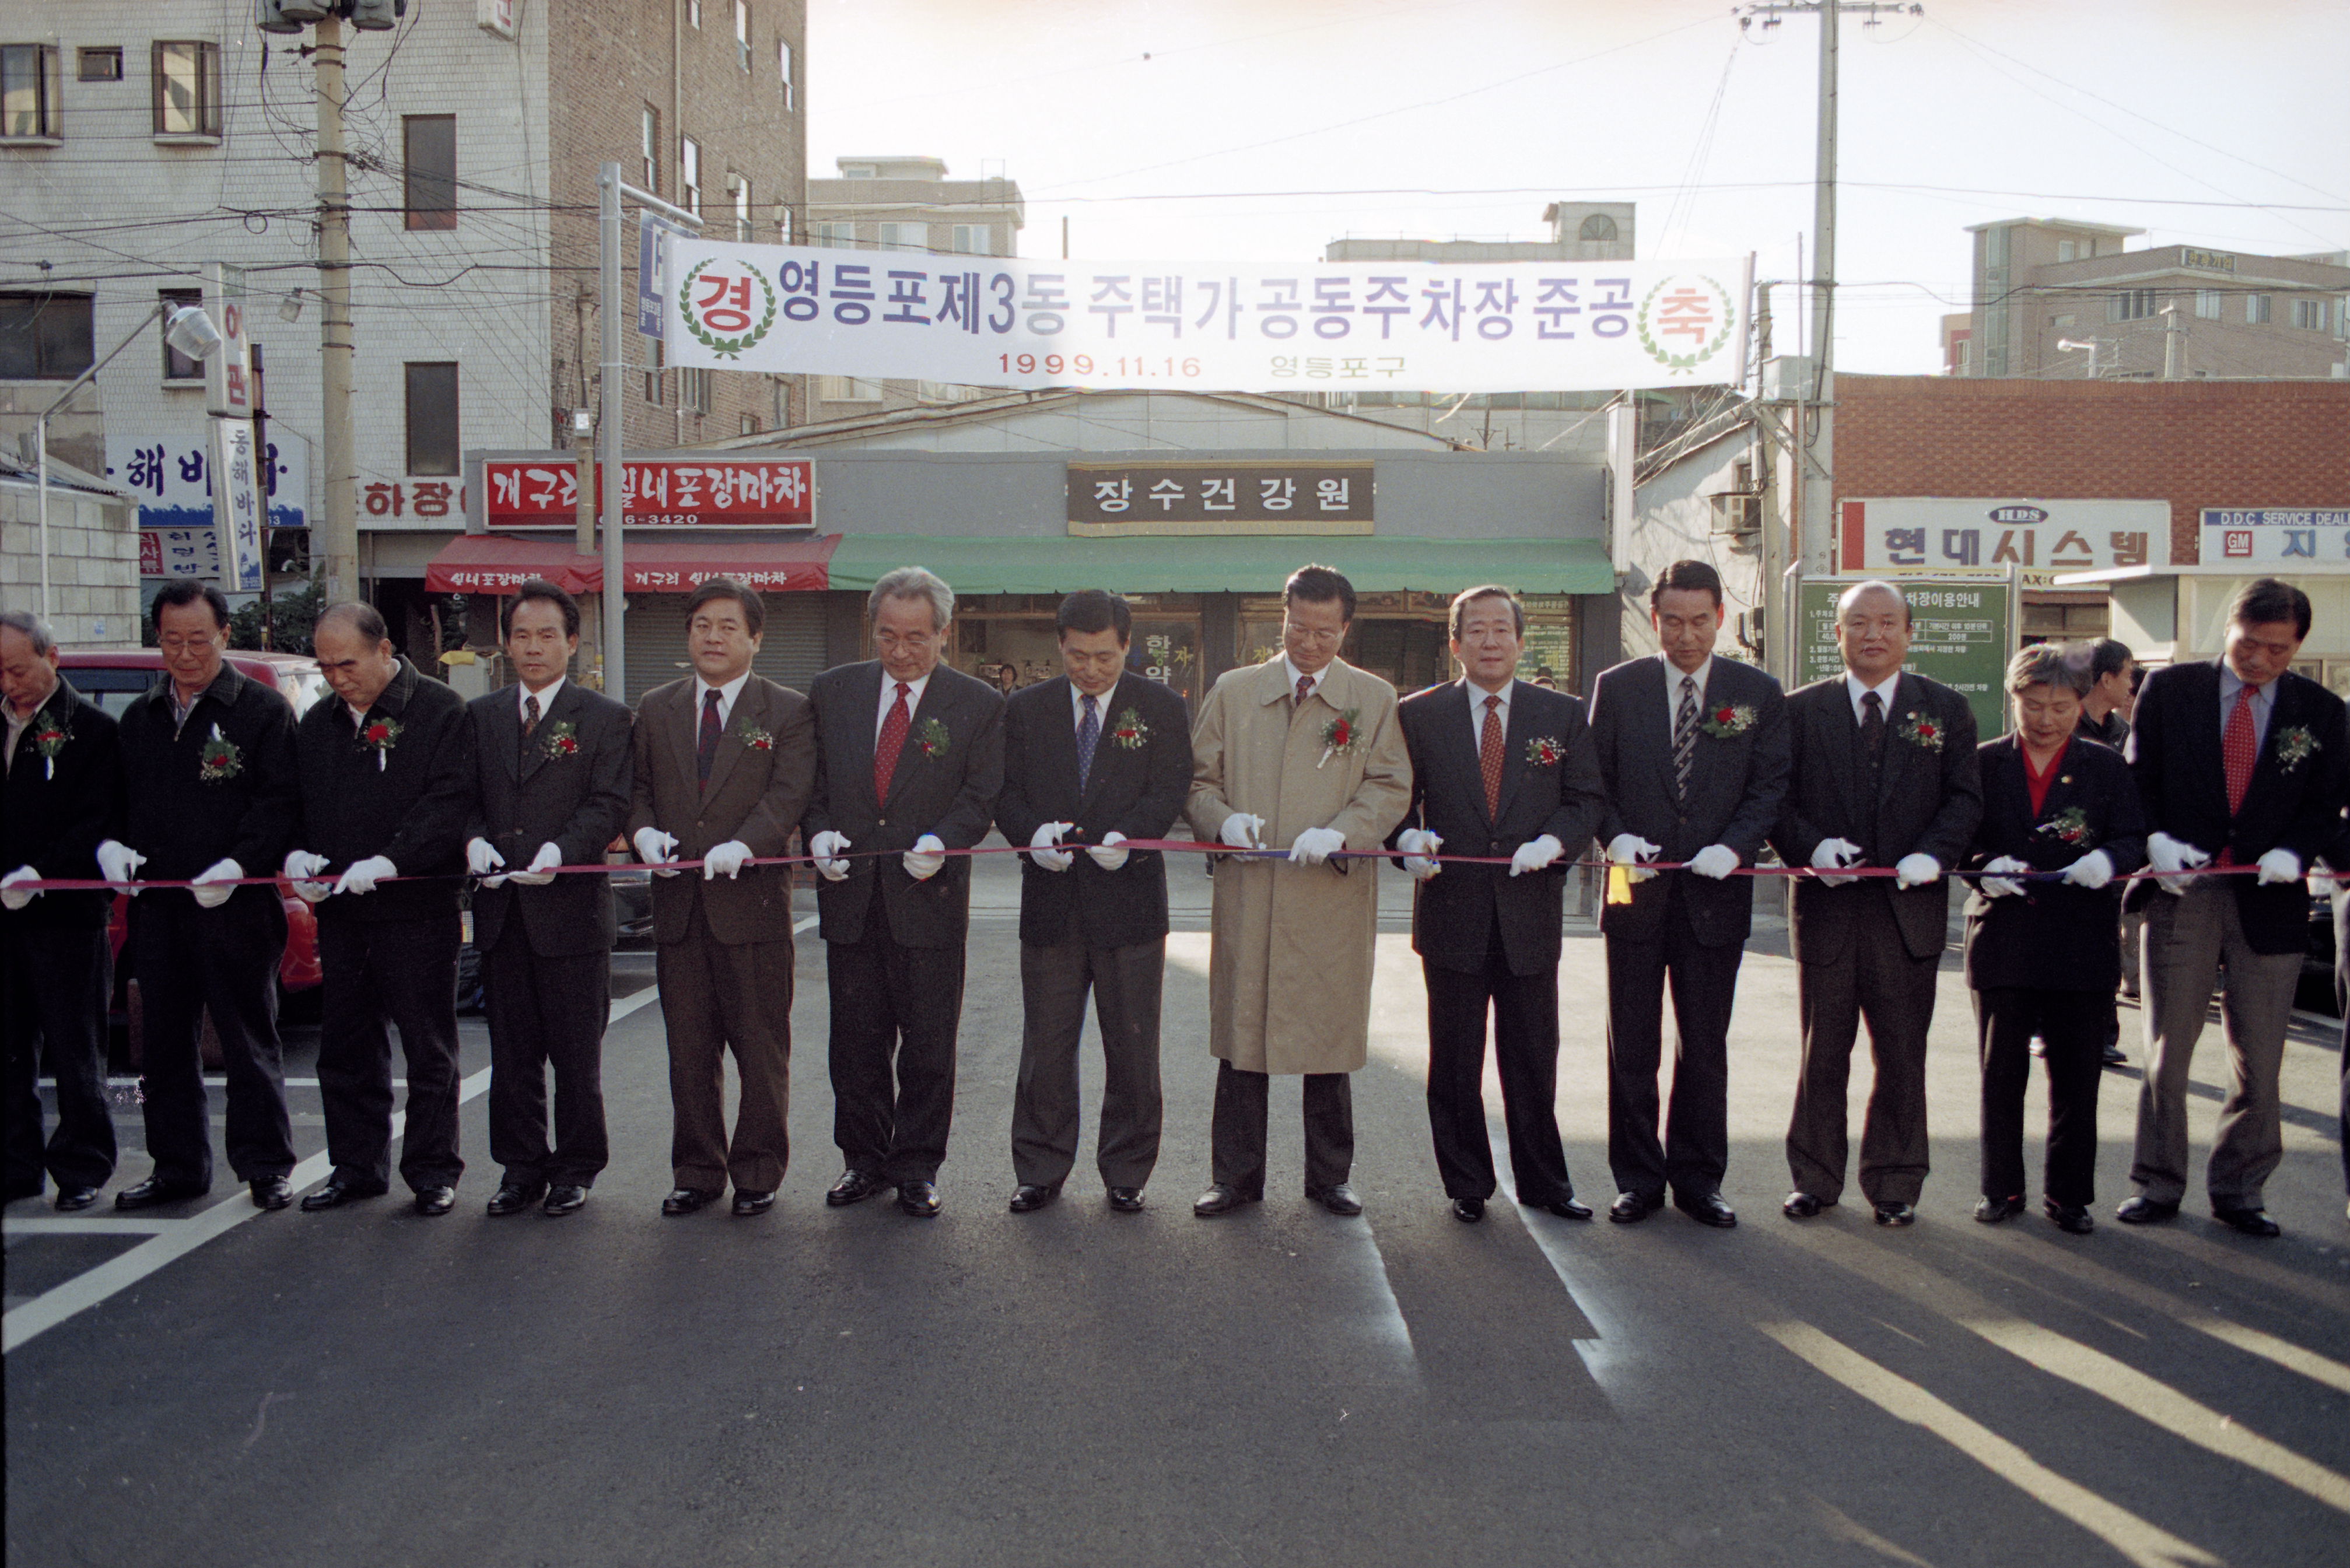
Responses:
[1212,565]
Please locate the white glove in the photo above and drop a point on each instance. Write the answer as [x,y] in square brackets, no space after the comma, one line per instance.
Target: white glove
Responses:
[14,896]
[2322,880]
[2279,864]
[656,850]
[926,858]
[1537,854]
[1315,846]
[1045,858]
[826,847]
[724,860]
[1418,844]
[1714,862]
[2169,855]
[481,858]
[539,872]
[1997,886]
[1108,854]
[209,891]
[1916,871]
[2092,870]
[119,863]
[1241,831]
[1624,849]
[1833,853]
[362,876]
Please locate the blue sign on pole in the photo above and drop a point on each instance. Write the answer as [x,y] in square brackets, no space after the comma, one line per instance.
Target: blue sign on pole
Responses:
[652,272]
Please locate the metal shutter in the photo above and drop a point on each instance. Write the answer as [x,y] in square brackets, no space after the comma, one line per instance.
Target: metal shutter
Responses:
[792,653]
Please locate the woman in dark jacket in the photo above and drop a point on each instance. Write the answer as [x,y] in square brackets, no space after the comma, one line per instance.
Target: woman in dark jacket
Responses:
[2061,823]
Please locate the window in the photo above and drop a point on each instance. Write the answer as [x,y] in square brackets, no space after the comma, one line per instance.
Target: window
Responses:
[44,337]
[2068,250]
[859,171]
[974,240]
[783,70]
[30,105]
[842,234]
[689,175]
[693,12]
[2256,309]
[2130,305]
[750,424]
[743,33]
[847,389]
[1598,228]
[2207,304]
[432,179]
[650,136]
[2061,321]
[738,197]
[694,390]
[178,367]
[905,236]
[653,375]
[432,443]
[187,89]
[783,225]
[2309,314]
[100,65]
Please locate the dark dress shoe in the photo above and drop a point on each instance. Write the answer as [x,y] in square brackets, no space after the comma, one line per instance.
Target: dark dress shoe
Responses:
[2143,1210]
[514,1197]
[1631,1208]
[1708,1208]
[1339,1200]
[2071,1217]
[1803,1206]
[747,1204]
[1468,1210]
[688,1200]
[1126,1199]
[1989,1210]
[2251,1221]
[564,1197]
[1221,1200]
[271,1192]
[154,1190]
[1027,1197]
[72,1198]
[334,1194]
[1896,1214]
[855,1186]
[919,1199]
[1565,1208]
[2113,1057]
[434,1201]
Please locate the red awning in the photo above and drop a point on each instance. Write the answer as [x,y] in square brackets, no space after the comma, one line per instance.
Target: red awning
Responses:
[496,564]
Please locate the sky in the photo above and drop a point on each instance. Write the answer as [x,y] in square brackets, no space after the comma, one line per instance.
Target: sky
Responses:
[1261,130]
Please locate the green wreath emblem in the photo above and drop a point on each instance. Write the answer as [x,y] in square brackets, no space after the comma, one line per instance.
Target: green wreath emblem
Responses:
[1672,361]
[724,347]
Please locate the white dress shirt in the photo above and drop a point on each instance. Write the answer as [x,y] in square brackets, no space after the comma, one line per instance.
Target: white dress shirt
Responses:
[1296,675]
[523,694]
[2264,704]
[889,700]
[727,695]
[1101,707]
[1477,695]
[1854,689]
[1674,676]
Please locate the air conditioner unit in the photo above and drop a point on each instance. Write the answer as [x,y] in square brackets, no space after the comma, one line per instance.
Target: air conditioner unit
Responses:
[1737,512]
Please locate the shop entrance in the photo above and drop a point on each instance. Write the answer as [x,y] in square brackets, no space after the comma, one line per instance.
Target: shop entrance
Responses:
[1007,640]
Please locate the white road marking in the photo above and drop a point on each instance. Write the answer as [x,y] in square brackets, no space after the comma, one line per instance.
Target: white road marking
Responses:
[85,1225]
[86,1290]
[804,922]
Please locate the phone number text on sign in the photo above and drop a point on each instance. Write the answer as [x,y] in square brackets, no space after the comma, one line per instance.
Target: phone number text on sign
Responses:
[657,495]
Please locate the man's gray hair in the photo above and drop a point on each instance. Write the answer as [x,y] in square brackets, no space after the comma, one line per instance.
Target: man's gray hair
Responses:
[34,630]
[2050,664]
[913,583]
[363,618]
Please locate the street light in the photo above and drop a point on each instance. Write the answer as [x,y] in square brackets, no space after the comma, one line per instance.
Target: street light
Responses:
[2076,345]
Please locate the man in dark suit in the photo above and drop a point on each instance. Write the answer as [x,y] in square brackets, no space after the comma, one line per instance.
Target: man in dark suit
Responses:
[61,799]
[1694,753]
[554,766]
[1884,774]
[725,759]
[1095,757]
[910,757]
[2241,762]
[387,778]
[208,766]
[1498,767]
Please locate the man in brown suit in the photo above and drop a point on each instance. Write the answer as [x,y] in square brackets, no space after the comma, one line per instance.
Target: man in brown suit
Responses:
[724,763]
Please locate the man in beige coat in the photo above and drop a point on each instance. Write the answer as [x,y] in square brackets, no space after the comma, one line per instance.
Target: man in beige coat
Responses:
[1302,752]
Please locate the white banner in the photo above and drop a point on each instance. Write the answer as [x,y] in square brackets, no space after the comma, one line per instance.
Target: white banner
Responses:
[1211,327]
[236,506]
[1895,536]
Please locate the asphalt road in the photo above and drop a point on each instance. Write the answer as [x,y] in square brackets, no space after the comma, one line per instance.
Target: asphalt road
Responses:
[1078,1387]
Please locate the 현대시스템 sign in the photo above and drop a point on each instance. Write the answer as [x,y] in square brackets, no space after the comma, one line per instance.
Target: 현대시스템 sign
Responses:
[2282,538]
[1276,496]
[1945,537]
[660,494]
[1961,634]
[1547,325]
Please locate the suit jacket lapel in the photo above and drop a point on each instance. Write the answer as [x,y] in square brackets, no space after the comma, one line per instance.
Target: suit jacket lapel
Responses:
[865,731]
[1664,696]
[505,732]
[566,703]
[934,699]
[1900,756]
[1523,725]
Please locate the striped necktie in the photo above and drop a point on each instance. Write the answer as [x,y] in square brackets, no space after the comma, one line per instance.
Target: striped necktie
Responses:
[1684,737]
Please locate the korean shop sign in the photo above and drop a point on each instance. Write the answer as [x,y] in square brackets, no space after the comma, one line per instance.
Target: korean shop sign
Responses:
[2278,538]
[1121,498]
[1225,327]
[716,493]
[1901,535]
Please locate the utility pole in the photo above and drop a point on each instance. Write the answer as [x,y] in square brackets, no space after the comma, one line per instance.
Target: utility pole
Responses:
[341,537]
[2172,343]
[264,482]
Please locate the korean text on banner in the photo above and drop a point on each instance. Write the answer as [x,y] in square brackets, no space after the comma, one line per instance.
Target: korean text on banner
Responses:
[717,494]
[2277,538]
[1322,327]
[236,506]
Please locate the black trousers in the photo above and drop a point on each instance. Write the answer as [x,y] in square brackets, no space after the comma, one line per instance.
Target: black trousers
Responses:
[2074,1023]
[1236,1128]
[895,1012]
[1876,978]
[1695,1150]
[715,994]
[53,982]
[546,1013]
[1525,1009]
[189,960]
[1126,983]
[380,974]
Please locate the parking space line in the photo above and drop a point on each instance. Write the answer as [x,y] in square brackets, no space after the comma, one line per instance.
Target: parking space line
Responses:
[85,1225]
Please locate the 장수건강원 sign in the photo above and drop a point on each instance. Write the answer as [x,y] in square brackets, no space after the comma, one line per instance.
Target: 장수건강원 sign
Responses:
[1109,500]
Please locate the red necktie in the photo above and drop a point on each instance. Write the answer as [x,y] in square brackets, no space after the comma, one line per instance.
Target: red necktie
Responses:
[1305,689]
[2239,748]
[1488,755]
[892,742]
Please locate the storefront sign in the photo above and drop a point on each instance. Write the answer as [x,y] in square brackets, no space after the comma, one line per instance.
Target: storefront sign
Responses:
[1500,327]
[1904,536]
[236,506]
[1114,499]
[2280,538]
[763,493]
[172,474]
[178,553]
[1961,634]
